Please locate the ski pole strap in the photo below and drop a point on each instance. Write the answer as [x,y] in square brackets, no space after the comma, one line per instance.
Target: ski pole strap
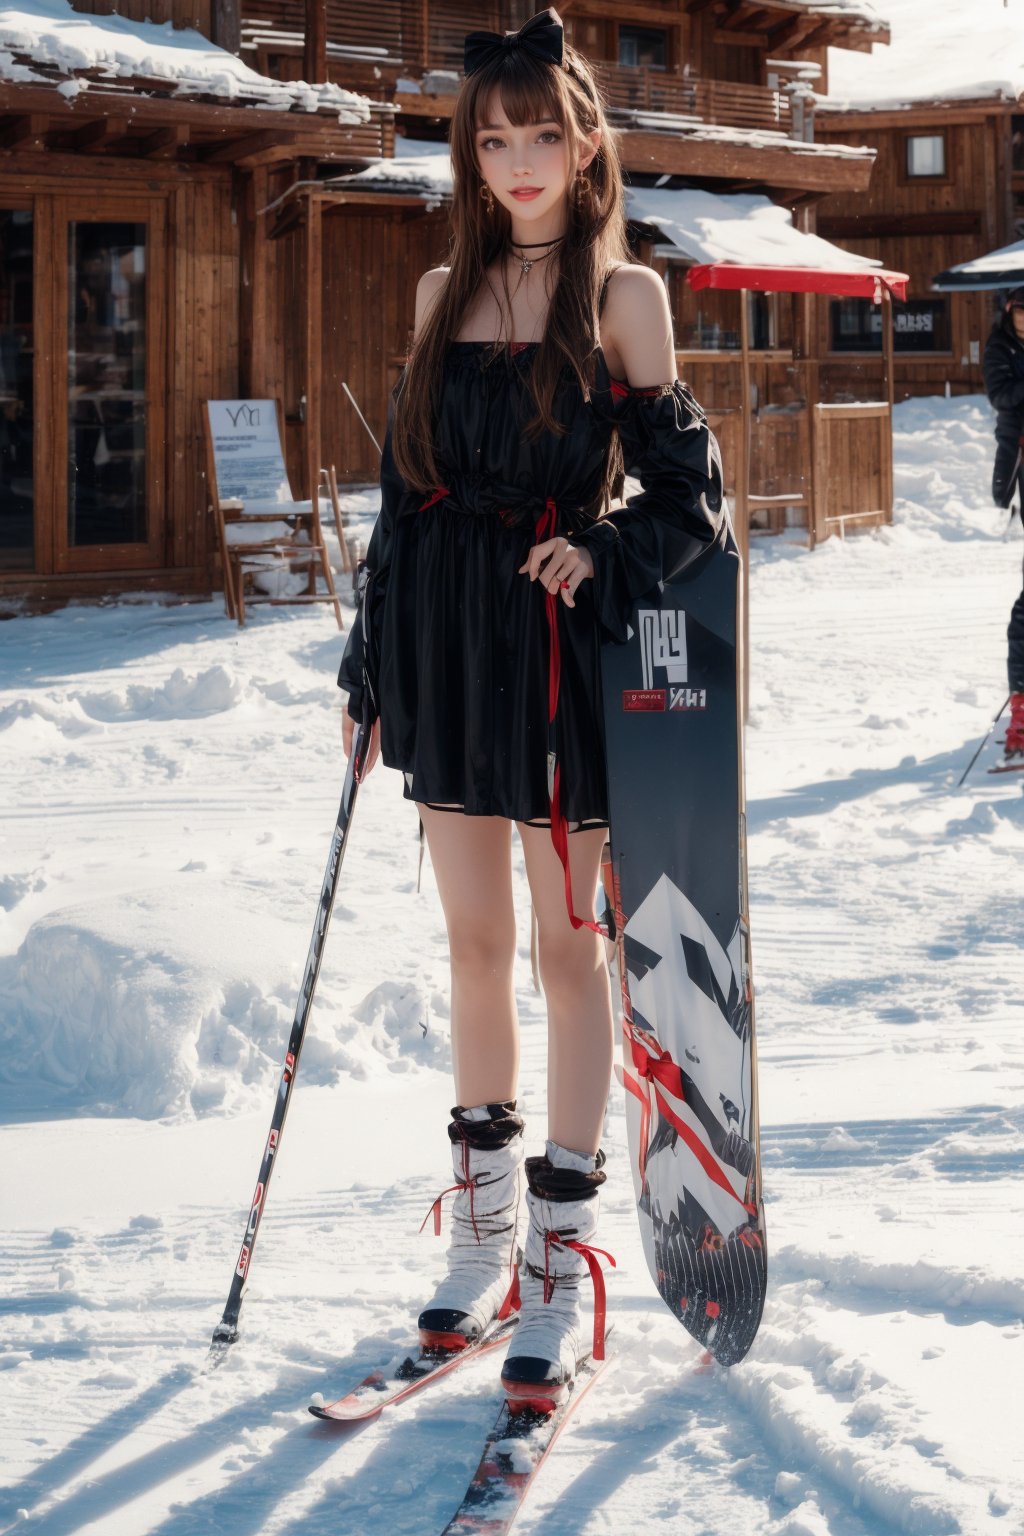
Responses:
[544,528]
[554,1239]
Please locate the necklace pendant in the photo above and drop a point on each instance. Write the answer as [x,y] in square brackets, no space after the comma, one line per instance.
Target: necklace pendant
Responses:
[526,265]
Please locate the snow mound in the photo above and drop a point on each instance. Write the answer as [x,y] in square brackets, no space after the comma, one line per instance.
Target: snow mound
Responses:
[183,694]
[177,1001]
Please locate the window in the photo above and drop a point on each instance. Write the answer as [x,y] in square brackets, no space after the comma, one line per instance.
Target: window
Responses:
[644,46]
[926,154]
[16,420]
[920,325]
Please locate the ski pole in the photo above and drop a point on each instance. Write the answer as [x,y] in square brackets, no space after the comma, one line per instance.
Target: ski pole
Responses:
[226,1331]
[981,743]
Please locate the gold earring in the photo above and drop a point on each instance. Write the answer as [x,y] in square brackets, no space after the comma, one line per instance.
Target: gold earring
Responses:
[582,186]
[488,197]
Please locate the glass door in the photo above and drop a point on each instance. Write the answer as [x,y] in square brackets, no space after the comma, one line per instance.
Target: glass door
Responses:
[110,434]
[17,352]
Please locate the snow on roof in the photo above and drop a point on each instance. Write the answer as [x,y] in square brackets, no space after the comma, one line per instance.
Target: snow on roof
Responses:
[740,227]
[938,52]
[42,40]
[705,226]
[984,274]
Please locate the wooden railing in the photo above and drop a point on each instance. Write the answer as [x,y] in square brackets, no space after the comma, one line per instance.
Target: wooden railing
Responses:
[711,101]
[411,37]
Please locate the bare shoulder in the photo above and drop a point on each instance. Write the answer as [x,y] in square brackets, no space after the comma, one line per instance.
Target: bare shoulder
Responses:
[636,324]
[427,290]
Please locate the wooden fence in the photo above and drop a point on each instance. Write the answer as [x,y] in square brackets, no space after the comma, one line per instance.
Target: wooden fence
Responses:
[852,467]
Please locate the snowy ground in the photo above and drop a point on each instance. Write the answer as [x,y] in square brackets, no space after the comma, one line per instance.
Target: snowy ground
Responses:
[167,789]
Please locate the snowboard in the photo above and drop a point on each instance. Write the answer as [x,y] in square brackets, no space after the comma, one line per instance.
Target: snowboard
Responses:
[674,746]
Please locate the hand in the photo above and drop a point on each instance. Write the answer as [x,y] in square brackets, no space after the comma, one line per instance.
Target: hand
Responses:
[559,566]
[348,730]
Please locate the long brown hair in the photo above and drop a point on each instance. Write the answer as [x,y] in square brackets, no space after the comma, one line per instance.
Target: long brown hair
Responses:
[595,240]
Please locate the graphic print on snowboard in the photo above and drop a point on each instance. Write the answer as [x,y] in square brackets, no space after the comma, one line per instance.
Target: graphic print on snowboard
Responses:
[675,790]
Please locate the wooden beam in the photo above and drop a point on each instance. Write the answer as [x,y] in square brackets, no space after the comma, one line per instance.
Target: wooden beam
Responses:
[100,135]
[785,166]
[727,38]
[164,144]
[236,151]
[892,226]
[27,132]
[940,114]
[789,34]
[143,111]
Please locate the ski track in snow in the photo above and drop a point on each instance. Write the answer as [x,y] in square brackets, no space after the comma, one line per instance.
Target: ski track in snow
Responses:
[167,790]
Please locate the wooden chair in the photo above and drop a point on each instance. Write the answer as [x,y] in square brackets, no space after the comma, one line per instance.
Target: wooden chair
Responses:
[266,536]
[329,481]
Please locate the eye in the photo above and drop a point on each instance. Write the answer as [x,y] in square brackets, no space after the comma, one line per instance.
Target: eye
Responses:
[486,143]
[550,133]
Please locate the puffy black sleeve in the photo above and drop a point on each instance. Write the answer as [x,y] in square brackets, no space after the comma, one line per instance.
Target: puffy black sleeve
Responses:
[668,446]
[1003,384]
[360,663]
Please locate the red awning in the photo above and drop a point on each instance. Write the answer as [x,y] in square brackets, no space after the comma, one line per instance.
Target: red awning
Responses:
[857,283]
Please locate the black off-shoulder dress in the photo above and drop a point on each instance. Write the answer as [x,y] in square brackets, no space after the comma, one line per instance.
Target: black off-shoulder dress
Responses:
[476,675]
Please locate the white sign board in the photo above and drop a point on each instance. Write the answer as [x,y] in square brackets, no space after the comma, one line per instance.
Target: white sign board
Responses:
[247,451]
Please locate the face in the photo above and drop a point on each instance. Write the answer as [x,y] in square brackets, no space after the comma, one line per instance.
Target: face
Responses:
[1017,315]
[526,167]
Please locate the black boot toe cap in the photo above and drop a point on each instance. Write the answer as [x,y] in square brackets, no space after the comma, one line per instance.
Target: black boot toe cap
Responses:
[530,1370]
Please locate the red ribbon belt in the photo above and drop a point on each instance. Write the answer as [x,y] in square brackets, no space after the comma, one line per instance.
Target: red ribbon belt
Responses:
[545,529]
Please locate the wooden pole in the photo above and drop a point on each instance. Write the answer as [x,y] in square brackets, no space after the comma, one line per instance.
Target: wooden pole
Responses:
[313,350]
[889,365]
[888,349]
[315,60]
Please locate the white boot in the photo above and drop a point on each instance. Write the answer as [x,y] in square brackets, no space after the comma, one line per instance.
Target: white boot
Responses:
[563,1201]
[487,1160]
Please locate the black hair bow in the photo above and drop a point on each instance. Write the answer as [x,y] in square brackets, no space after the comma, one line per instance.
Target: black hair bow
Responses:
[541,36]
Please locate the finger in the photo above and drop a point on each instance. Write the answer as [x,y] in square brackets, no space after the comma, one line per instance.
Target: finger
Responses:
[568,586]
[537,554]
[558,570]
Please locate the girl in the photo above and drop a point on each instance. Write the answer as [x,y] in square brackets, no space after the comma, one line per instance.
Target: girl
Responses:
[490,580]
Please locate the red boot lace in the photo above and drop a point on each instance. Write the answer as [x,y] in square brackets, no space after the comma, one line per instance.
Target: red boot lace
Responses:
[555,1239]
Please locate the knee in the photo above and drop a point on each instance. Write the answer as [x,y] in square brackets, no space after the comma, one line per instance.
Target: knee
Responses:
[482,949]
[569,962]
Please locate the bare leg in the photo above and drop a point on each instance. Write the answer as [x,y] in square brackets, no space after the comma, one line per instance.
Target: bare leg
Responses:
[576,985]
[472,859]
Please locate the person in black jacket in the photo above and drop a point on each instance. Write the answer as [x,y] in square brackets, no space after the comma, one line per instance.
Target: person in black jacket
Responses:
[1004,384]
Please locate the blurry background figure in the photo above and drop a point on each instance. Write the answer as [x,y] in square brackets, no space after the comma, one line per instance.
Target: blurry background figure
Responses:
[1004,385]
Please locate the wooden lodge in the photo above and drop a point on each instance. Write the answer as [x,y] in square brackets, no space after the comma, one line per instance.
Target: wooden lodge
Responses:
[948,185]
[207,225]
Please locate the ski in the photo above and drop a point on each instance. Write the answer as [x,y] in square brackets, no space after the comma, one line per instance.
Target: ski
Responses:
[514,1453]
[407,1374]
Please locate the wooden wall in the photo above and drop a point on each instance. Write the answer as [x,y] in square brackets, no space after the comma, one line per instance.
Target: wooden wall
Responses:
[372,262]
[181,13]
[921,226]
